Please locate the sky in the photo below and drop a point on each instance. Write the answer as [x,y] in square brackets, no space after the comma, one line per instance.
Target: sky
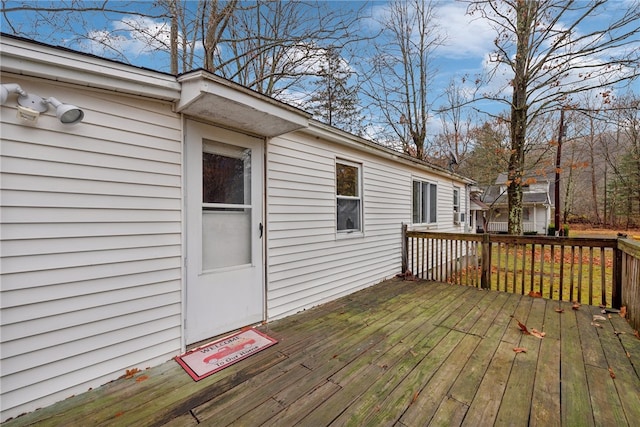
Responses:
[469,40]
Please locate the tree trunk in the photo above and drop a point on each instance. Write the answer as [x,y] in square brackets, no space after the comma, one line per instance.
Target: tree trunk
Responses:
[519,117]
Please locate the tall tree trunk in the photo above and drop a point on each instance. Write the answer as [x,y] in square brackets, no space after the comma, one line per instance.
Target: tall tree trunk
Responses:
[519,116]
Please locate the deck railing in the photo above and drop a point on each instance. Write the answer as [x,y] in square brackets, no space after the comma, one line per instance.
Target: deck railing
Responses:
[595,271]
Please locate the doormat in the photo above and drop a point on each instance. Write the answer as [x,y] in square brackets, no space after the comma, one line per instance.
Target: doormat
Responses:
[217,355]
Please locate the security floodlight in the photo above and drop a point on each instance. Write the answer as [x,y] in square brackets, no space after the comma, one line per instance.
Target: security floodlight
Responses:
[30,106]
[66,113]
[10,88]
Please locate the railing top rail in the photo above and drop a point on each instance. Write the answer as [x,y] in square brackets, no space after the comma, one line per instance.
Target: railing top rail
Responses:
[593,242]
[448,236]
[629,246]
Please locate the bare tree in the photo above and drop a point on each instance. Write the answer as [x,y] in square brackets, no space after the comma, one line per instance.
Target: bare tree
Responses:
[402,72]
[538,43]
[272,47]
[456,139]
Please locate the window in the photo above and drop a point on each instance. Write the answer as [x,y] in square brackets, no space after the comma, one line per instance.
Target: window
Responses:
[456,206]
[456,199]
[425,202]
[348,196]
[525,214]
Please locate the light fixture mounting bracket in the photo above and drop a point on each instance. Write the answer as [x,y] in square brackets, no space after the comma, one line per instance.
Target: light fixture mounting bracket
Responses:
[33,102]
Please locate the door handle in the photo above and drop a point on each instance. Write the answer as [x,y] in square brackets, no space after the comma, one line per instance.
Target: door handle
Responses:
[261,228]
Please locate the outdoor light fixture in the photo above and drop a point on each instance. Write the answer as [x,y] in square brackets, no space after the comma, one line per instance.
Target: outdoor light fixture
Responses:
[66,113]
[30,106]
[8,89]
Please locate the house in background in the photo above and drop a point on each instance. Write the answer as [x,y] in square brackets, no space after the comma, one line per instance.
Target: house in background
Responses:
[537,204]
[174,210]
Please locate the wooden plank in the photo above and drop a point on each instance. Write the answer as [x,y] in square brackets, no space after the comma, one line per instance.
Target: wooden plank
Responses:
[424,405]
[293,413]
[575,402]
[429,354]
[465,387]
[516,402]
[450,413]
[484,408]
[630,342]
[545,402]
[320,360]
[607,408]
[626,380]
[356,378]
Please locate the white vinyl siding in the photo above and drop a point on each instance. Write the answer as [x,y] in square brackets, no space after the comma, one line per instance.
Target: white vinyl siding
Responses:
[306,264]
[91,244]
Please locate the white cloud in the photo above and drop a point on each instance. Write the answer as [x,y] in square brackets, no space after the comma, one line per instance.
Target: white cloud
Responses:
[466,35]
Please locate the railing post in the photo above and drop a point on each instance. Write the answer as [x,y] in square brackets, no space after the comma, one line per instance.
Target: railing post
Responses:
[485,278]
[405,248]
[616,286]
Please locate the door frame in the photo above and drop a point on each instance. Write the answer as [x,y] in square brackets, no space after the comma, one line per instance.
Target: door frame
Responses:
[186,214]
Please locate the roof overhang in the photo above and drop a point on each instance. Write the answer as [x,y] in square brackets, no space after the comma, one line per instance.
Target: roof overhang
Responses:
[220,101]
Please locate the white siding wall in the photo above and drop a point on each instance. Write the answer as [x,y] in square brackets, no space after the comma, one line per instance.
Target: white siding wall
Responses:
[308,263]
[91,244]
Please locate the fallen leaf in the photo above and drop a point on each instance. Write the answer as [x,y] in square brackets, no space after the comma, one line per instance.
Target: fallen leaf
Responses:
[636,334]
[142,378]
[520,349]
[576,305]
[536,333]
[623,311]
[535,294]
[611,374]
[118,414]
[559,310]
[415,397]
[628,355]
[596,324]
[618,332]
[130,373]
[609,316]
[598,317]
[522,327]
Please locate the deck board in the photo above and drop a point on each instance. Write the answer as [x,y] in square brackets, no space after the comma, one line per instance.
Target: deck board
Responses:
[401,353]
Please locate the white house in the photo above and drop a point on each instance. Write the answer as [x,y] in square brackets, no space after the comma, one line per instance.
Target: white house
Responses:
[537,204]
[175,210]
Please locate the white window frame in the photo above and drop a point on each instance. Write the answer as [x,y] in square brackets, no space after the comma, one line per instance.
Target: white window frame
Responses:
[352,231]
[429,210]
[457,216]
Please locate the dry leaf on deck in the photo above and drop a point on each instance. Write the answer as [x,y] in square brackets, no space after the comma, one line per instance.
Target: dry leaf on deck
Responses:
[142,378]
[598,317]
[596,324]
[623,311]
[611,374]
[576,305]
[559,310]
[537,333]
[520,349]
[522,327]
[535,294]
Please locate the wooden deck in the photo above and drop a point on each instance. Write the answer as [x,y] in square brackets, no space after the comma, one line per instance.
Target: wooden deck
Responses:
[400,353]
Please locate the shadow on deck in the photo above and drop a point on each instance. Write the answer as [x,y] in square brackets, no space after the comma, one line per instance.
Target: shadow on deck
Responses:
[399,353]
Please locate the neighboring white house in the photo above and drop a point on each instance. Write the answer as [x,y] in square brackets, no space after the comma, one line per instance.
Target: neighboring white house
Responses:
[537,204]
[177,209]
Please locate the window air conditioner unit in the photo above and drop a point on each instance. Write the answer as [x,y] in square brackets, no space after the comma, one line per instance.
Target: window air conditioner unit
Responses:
[456,217]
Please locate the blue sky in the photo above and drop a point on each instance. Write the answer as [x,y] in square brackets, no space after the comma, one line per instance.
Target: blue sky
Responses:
[469,40]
